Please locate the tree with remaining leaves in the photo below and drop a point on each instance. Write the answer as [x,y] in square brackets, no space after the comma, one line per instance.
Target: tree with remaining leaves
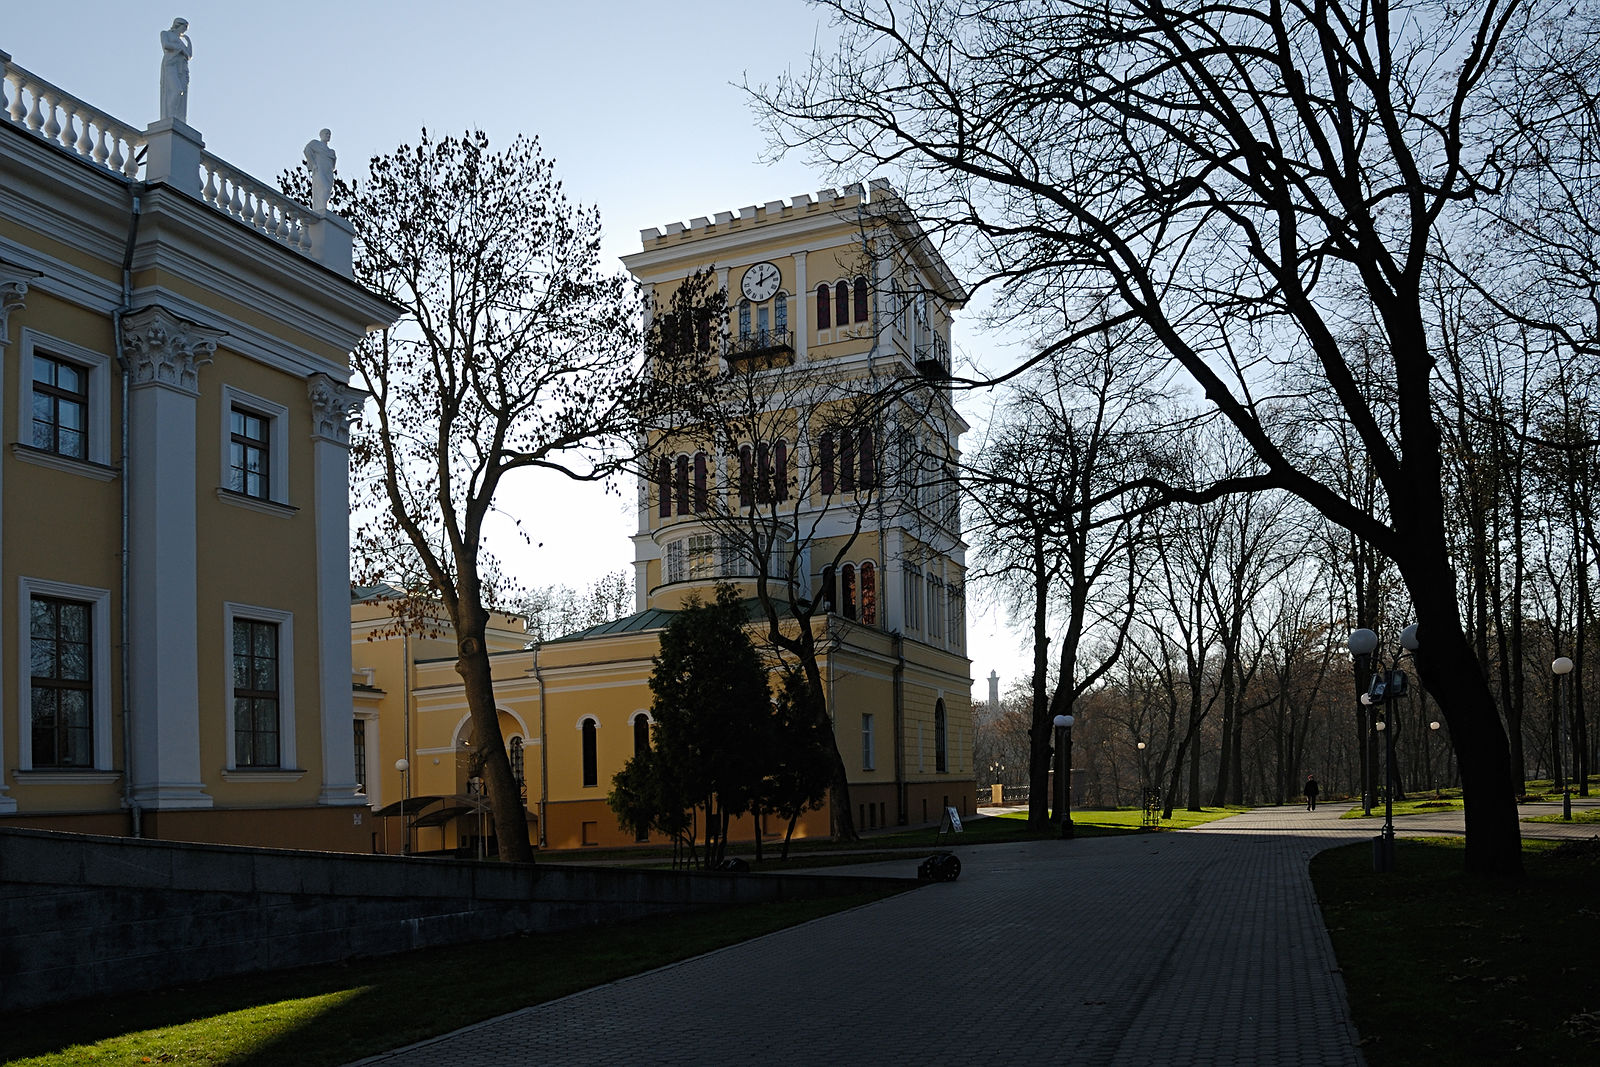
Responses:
[714,734]
[517,353]
[1258,187]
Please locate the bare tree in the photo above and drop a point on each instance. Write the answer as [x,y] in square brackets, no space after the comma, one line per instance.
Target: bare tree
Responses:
[517,353]
[1242,181]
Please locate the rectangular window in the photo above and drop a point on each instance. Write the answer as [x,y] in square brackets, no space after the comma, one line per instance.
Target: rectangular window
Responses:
[913,597]
[60,407]
[702,556]
[672,567]
[866,743]
[935,608]
[256,721]
[249,446]
[361,755]
[62,687]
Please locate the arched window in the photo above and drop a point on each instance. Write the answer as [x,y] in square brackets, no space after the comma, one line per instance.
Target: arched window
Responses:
[702,499]
[747,494]
[847,590]
[841,303]
[764,473]
[861,300]
[641,733]
[824,316]
[591,755]
[518,765]
[681,486]
[825,594]
[847,461]
[940,763]
[869,593]
[744,320]
[664,487]
[780,471]
[780,312]
[825,463]
[869,465]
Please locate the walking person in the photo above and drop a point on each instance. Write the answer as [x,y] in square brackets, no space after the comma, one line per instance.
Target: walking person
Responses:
[1311,792]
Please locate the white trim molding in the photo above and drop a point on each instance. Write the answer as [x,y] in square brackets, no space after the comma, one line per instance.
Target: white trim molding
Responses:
[284,620]
[13,294]
[100,666]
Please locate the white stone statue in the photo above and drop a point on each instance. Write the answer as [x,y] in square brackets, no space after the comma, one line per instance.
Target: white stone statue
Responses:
[320,159]
[175,53]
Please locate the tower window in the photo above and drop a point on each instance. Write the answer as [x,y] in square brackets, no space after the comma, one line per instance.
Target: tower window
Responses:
[681,486]
[702,499]
[861,300]
[869,593]
[841,303]
[825,463]
[824,310]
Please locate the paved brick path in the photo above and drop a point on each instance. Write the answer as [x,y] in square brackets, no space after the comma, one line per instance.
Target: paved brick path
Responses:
[1202,947]
[1189,948]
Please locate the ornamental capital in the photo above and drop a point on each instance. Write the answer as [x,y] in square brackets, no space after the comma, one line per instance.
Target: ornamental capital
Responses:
[13,292]
[163,349]
[334,405]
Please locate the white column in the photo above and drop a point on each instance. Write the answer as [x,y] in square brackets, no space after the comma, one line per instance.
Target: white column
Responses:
[802,310]
[333,405]
[13,292]
[892,583]
[165,355]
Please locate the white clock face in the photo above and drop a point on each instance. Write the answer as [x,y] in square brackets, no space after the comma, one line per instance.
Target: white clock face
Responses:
[760,282]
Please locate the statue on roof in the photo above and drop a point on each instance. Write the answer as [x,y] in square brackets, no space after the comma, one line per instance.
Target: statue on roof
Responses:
[320,160]
[176,51]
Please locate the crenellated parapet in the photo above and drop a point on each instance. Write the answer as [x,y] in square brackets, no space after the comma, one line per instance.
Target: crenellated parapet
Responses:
[825,201]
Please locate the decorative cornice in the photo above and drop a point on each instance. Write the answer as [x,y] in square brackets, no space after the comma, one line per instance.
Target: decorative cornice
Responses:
[165,350]
[334,405]
[13,291]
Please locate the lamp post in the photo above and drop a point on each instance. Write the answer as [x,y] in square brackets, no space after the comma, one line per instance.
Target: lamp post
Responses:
[1382,691]
[1063,771]
[1561,667]
[403,765]
[1362,642]
[1432,780]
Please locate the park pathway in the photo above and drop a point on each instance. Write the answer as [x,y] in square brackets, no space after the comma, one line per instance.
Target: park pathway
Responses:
[1201,947]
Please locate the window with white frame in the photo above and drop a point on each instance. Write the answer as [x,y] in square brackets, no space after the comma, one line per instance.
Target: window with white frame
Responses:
[672,565]
[66,402]
[255,447]
[260,690]
[912,580]
[958,617]
[701,555]
[935,608]
[65,639]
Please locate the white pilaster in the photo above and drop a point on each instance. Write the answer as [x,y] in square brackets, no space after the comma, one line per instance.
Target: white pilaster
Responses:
[165,355]
[13,292]
[333,405]
[802,311]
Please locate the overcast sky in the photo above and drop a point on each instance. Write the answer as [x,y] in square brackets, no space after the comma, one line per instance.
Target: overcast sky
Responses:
[638,103]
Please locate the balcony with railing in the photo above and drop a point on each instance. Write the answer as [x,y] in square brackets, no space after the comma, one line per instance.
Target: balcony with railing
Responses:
[763,348]
[933,359]
[169,153]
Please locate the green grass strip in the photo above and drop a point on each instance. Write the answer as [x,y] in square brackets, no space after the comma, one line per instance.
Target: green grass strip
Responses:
[1445,968]
[338,1013]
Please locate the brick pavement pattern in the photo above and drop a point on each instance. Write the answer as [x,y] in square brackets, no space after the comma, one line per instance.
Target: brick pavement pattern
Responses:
[1201,947]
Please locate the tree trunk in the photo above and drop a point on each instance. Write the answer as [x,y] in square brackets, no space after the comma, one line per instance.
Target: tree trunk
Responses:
[505,799]
[1040,733]
[1447,666]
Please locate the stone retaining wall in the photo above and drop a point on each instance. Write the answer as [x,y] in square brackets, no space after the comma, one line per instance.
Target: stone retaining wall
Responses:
[84,916]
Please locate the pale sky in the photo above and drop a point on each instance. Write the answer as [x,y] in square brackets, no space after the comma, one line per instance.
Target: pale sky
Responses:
[638,103]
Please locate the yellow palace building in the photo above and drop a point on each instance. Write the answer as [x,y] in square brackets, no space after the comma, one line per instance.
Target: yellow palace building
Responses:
[174,487]
[832,297]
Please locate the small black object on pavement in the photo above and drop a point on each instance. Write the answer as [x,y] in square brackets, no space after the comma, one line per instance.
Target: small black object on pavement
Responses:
[939,867]
[735,864]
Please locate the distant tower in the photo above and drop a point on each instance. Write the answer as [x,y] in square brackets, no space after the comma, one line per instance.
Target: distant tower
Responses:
[994,692]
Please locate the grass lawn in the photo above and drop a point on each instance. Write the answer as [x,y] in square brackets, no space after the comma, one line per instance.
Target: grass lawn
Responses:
[1590,815]
[334,1014]
[1443,968]
[1418,804]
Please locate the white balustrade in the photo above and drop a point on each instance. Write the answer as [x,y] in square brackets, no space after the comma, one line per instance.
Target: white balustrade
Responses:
[60,118]
[57,116]
[254,203]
